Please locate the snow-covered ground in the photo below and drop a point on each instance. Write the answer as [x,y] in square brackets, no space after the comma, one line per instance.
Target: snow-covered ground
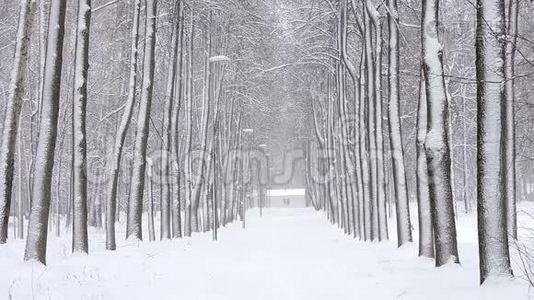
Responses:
[286,254]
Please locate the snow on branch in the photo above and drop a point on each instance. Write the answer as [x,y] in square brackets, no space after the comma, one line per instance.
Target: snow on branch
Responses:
[219,58]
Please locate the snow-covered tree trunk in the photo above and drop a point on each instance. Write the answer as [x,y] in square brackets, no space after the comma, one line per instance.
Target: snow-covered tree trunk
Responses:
[328,154]
[80,241]
[189,132]
[436,142]
[350,161]
[150,205]
[36,114]
[379,213]
[354,169]
[44,162]
[490,56]
[404,227]
[369,17]
[234,188]
[359,154]
[135,205]
[20,204]
[228,139]
[197,191]
[364,155]
[95,210]
[213,192]
[381,174]
[509,116]
[114,164]
[175,145]
[426,235]
[331,154]
[168,130]
[358,164]
[214,162]
[241,183]
[467,200]
[342,120]
[12,114]
[43,10]
[344,165]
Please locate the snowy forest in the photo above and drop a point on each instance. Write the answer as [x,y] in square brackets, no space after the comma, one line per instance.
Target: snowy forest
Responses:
[267,149]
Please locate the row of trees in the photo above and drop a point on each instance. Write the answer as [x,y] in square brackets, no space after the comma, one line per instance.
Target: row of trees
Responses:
[392,92]
[187,147]
[352,137]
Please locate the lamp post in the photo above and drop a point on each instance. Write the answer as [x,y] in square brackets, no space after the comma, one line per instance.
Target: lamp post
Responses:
[215,217]
[249,132]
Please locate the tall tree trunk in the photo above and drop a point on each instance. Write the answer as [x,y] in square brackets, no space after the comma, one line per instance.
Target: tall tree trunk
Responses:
[343,117]
[189,132]
[331,150]
[80,241]
[42,183]
[359,94]
[436,143]
[364,155]
[36,113]
[509,117]
[113,183]
[490,55]
[370,20]
[465,192]
[404,227]
[228,137]
[381,173]
[199,185]
[175,145]
[166,156]
[135,205]
[426,232]
[12,116]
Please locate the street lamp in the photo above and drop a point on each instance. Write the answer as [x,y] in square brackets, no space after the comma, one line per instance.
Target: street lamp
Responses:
[215,60]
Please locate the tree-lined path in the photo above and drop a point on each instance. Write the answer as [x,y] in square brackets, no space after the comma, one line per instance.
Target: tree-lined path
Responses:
[138,135]
[289,254]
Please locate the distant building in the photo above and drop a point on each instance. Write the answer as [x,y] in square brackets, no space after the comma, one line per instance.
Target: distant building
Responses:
[286,198]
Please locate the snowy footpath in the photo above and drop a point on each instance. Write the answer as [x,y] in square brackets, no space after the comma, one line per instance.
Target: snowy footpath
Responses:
[286,254]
